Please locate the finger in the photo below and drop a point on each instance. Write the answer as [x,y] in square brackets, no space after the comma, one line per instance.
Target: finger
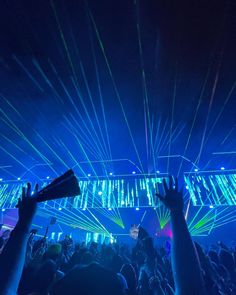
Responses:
[160,197]
[36,189]
[170,181]
[23,192]
[18,203]
[176,184]
[28,192]
[165,185]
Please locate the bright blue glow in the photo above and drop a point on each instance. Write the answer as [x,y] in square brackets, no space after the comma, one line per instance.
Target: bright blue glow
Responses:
[47,177]
[89,175]
[3,209]
[18,178]
[109,209]
[60,209]
[212,189]
[196,170]
[1,179]
[133,172]
[157,171]
[211,206]
[105,193]
[110,173]
[137,209]
[84,209]
[204,189]
[222,168]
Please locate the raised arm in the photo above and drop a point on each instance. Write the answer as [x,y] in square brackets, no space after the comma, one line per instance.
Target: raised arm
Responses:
[13,255]
[185,263]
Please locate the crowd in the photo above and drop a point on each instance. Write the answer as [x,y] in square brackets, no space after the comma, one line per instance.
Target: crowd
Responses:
[39,267]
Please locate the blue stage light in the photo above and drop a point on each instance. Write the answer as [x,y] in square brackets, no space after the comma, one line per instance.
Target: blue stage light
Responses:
[196,170]
[111,173]
[60,209]
[18,178]
[3,209]
[47,177]
[133,172]
[84,209]
[157,171]
[109,209]
[222,168]
[187,187]
[100,193]
[137,209]
[89,175]
[211,206]
[1,179]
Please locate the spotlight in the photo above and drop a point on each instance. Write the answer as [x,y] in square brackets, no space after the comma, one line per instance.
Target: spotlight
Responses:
[157,171]
[3,209]
[187,187]
[122,202]
[47,177]
[89,175]
[211,206]
[137,208]
[100,193]
[60,209]
[222,168]
[1,179]
[84,209]
[133,172]
[18,178]
[196,170]
[111,173]
[109,209]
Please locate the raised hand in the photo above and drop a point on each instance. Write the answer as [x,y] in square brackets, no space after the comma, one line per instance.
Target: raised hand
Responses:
[173,198]
[13,257]
[27,205]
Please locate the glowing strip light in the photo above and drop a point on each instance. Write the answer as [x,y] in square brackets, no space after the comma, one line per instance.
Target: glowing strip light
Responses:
[116,193]
[212,189]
